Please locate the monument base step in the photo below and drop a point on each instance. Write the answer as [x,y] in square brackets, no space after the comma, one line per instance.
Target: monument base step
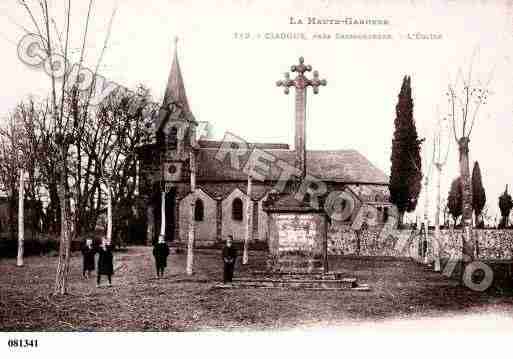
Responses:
[343,284]
[315,275]
[321,284]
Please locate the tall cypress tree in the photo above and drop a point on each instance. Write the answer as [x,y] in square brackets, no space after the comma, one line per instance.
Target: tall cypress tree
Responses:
[406,168]
[505,205]
[478,194]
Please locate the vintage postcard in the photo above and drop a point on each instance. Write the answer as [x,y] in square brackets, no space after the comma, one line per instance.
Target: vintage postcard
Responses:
[243,167]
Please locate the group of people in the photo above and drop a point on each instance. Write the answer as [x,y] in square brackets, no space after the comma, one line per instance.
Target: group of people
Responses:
[105,261]
[160,253]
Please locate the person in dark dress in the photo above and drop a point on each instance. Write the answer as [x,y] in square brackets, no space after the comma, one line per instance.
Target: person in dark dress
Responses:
[229,257]
[88,253]
[160,252]
[105,265]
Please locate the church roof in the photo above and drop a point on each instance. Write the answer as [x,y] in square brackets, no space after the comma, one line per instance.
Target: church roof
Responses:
[223,190]
[348,166]
[263,145]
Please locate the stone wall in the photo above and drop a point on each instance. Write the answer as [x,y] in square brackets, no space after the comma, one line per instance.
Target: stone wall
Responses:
[492,243]
[343,240]
[380,241]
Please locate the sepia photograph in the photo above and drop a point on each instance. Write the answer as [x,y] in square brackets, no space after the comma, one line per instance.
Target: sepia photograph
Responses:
[244,167]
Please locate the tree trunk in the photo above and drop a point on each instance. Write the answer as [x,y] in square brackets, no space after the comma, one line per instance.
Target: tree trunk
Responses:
[21,221]
[466,219]
[436,242]
[65,241]
[54,209]
[190,243]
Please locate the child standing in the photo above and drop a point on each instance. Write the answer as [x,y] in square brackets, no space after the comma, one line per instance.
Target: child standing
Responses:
[88,253]
[161,252]
[229,257]
[105,265]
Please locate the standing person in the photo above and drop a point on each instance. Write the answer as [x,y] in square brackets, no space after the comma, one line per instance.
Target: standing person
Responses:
[160,252]
[105,265]
[88,253]
[229,257]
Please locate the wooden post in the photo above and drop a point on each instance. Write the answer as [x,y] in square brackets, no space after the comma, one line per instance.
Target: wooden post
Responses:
[426,220]
[109,215]
[436,242]
[249,222]
[162,235]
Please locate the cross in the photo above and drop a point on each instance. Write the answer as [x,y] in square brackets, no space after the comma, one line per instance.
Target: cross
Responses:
[301,82]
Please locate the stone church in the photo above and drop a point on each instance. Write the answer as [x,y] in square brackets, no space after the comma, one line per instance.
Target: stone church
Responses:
[204,184]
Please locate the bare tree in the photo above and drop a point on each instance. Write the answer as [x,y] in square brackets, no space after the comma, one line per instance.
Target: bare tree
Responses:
[465,98]
[111,145]
[12,170]
[65,117]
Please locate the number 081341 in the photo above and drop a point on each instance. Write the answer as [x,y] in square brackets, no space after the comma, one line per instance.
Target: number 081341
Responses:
[22,343]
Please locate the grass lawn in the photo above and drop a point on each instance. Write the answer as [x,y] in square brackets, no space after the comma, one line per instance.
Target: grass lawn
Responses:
[137,301]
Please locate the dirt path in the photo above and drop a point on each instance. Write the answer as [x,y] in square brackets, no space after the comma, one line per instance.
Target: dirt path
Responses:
[137,301]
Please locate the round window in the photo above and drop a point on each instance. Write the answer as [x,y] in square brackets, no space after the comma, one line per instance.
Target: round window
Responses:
[172,169]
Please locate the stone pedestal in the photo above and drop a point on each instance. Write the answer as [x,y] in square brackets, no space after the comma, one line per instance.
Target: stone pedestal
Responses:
[297,236]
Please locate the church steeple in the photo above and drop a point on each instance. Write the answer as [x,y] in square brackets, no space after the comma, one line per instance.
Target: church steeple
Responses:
[175,90]
[176,130]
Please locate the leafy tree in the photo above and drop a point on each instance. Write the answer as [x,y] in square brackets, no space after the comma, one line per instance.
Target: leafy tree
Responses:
[505,205]
[405,173]
[455,199]
[478,195]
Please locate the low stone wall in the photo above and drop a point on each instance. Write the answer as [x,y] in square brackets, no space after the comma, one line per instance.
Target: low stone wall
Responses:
[381,241]
[370,242]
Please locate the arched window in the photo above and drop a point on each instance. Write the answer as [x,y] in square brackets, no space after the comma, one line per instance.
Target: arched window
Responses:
[199,210]
[237,213]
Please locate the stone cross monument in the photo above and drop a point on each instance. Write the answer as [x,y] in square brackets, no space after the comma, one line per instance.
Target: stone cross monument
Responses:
[297,230]
[301,82]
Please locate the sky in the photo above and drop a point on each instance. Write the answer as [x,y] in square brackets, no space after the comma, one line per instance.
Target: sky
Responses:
[230,80]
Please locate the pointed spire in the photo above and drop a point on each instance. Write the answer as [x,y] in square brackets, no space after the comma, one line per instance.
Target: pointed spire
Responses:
[175,90]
